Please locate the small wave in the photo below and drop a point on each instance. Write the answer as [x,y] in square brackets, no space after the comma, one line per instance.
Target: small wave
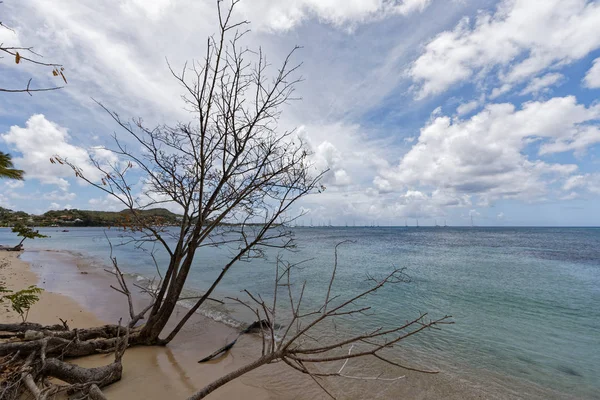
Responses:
[221,317]
[216,312]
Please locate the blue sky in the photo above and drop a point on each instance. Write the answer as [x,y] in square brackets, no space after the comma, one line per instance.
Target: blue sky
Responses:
[429,109]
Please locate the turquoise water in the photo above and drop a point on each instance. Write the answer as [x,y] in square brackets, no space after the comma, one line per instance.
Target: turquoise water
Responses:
[525,301]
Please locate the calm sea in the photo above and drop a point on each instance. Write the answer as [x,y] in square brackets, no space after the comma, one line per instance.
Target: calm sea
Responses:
[525,301]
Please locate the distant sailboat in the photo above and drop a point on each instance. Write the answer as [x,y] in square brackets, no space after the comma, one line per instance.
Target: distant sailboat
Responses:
[417,223]
[445,226]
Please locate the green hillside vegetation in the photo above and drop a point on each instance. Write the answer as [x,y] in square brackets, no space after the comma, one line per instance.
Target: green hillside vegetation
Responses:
[74,217]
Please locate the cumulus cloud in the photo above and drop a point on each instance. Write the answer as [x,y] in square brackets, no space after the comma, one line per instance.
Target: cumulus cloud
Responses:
[365,206]
[521,39]
[592,77]
[502,151]
[42,139]
[418,204]
[350,157]
[485,155]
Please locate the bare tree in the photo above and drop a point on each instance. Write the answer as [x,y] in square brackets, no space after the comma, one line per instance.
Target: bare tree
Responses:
[230,172]
[234,176]
[27,55]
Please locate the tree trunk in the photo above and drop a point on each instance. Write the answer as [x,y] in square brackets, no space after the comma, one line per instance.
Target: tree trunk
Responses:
[157,321]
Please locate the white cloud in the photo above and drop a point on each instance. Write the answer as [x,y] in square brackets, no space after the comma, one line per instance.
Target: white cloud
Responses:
[57,206]
[592,77]
[418,204]
[366,206]
[153,9]
[124,46]
[9,37]
[474,213]
[287,14]
[485,154]
[574,182]
[58,195]
[5,202]
[466,108]
[342,178]
[409,6]
[40,140]
[350,157]
[382,185]
[499,91]
[521,39]
[589,182]
[542,83]
[14,184]
[570,196]
[106,203]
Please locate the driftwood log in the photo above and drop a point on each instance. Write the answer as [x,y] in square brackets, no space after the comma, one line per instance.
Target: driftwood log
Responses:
[256,326]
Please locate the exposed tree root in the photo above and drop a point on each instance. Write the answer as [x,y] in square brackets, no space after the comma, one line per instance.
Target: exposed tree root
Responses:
[35,353]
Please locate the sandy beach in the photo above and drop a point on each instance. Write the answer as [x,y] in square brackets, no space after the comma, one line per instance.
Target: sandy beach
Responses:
[81,295]
[17,275]
[149,372]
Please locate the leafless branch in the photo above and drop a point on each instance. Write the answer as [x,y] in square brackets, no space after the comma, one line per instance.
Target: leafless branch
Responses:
[233,174]
[304,342]
[18,55]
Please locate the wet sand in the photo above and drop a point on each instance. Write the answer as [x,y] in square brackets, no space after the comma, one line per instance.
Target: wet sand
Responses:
[149,372]
[17,274]
[81,294]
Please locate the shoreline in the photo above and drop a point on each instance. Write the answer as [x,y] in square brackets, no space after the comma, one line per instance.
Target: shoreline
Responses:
[148,372]
[17,274]
[82,294]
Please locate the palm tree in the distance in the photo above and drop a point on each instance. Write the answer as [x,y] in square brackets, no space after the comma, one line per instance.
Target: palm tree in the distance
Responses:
[6,168]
